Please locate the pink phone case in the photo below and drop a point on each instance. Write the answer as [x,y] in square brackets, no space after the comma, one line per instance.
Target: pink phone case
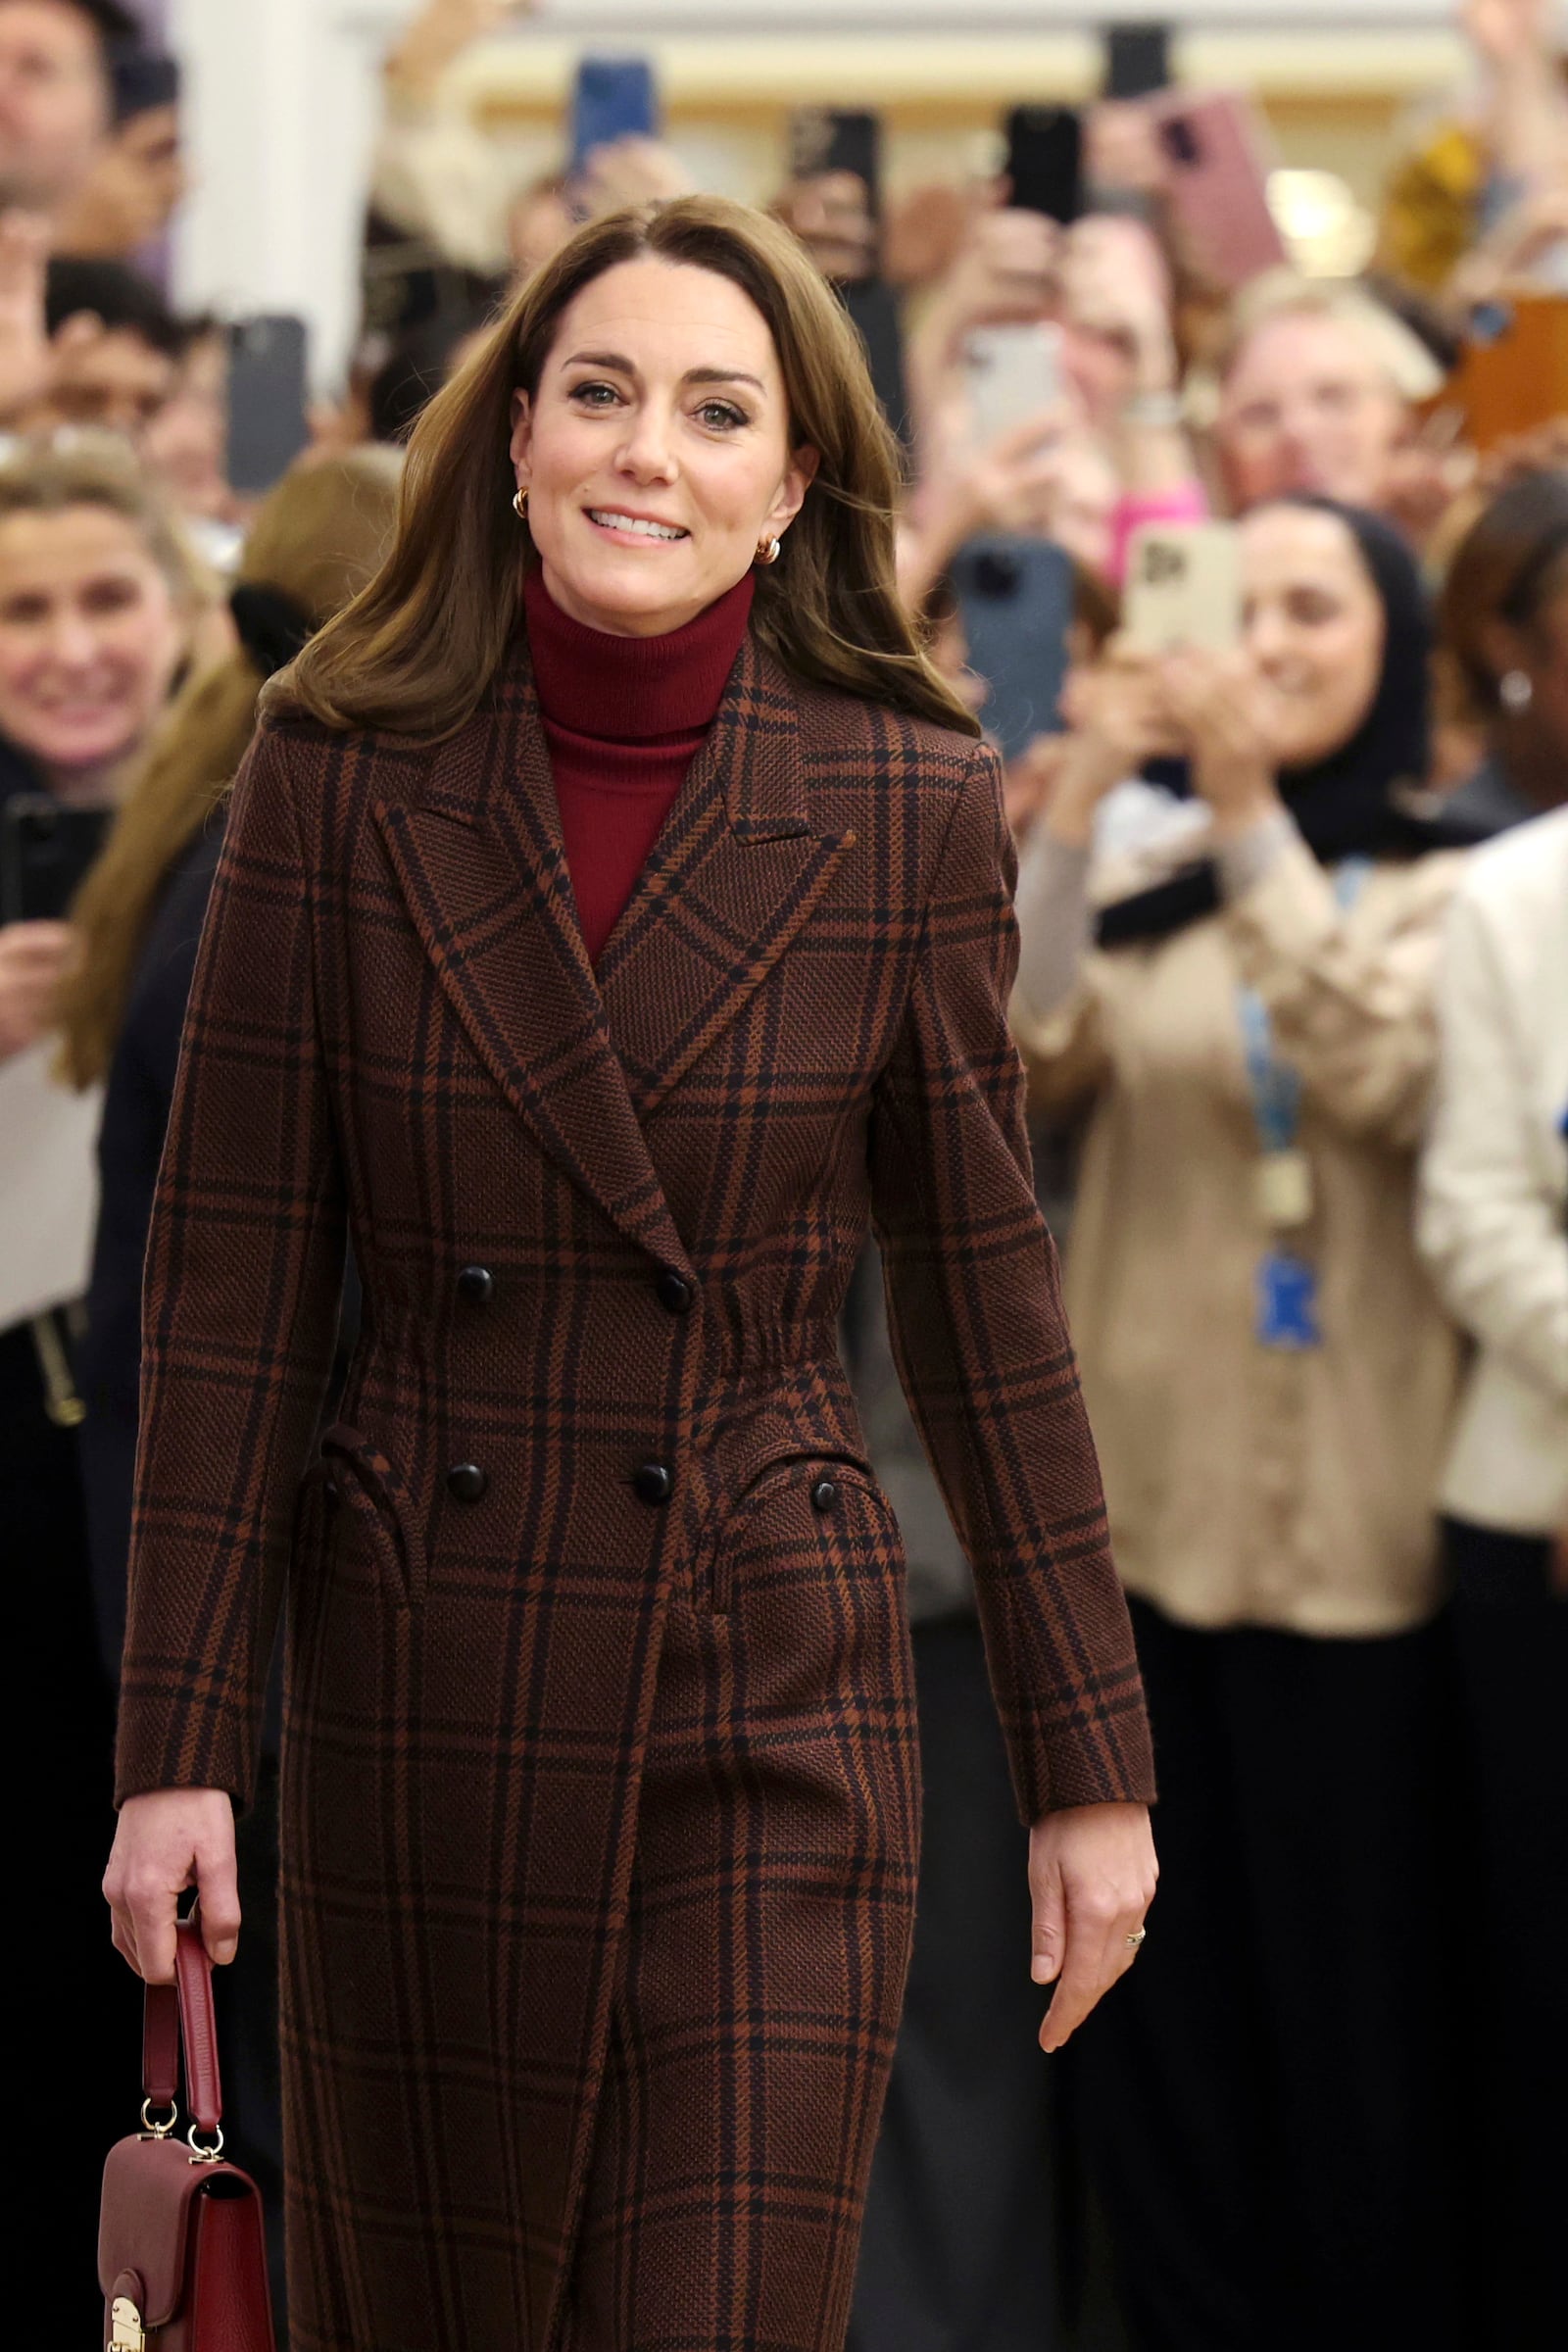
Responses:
[1219,157]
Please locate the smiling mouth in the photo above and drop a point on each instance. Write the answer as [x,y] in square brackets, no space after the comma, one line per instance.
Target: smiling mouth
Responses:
[608,519]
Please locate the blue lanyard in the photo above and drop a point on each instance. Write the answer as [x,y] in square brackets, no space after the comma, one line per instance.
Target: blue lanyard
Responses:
[1275,1088]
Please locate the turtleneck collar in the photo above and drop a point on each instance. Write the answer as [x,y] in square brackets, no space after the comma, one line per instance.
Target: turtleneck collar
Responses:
[633,689]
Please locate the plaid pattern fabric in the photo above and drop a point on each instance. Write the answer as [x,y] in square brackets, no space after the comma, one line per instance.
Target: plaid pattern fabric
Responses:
[598,1809]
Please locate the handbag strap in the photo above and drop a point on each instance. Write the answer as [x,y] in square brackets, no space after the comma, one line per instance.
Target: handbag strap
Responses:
[184,2013]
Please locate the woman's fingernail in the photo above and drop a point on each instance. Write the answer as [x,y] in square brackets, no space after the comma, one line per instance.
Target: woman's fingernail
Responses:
[1040,1969]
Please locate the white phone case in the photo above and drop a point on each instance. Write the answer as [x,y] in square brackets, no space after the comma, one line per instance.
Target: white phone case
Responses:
[1184,586]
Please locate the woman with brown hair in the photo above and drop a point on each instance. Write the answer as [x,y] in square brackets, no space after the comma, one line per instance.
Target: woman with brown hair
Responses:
[613,920]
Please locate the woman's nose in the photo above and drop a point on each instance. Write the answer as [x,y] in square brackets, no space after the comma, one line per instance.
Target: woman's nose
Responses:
[648,451]
[73,641]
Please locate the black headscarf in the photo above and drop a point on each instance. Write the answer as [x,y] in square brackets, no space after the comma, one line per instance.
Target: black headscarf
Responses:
[1349,805]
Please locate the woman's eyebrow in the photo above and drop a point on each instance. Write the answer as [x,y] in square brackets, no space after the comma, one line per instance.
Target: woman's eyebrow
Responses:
[618,361]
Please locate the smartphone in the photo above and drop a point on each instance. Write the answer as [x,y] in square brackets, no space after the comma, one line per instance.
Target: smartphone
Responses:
[1016,601]
[1184,587]
[873,307]
[1137,59]
[836,138]
[45,851]
[613,98]
[1512,376]
[1045,161]
[269,393]
[1014,372]
[1219,154]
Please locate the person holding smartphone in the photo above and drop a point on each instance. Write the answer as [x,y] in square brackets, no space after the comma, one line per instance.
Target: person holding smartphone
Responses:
[1231,968]
[612,919]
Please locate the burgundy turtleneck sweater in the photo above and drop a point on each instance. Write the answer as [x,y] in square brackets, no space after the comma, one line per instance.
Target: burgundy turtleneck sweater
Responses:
[624,718]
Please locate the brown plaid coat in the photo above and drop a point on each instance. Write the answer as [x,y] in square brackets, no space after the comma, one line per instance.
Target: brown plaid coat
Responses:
[600,1796]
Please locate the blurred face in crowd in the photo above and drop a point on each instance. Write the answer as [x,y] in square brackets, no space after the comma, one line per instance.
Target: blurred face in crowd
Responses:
[1314,627]
[185,440]
[113,381]
[1308,407]
[90,638]
[656,452]
[1541,652]
[53,101]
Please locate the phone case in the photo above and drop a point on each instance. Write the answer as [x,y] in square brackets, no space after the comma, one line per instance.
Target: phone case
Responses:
[1220,155]
[1014,372]
[1015,599]
[1184,587]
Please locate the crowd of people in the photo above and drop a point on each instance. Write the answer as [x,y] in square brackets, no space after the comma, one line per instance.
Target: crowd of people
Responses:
[1293,1002]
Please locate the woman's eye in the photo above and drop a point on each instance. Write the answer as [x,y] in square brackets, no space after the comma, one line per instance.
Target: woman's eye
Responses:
[112,596]
[720,417]
[595,395]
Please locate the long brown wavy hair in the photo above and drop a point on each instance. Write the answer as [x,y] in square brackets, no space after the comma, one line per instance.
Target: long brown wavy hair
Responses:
[416,653]
[318,538]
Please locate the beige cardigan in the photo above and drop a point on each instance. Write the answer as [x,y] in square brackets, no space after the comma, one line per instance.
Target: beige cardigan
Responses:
[1249,1485]
[1494,1178]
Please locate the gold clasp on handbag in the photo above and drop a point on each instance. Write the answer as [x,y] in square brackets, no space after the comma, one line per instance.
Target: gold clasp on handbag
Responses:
[125,2329]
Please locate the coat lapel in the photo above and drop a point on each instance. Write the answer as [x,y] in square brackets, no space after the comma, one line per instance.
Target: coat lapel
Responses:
[737,869]
[479,862]
[583,1058]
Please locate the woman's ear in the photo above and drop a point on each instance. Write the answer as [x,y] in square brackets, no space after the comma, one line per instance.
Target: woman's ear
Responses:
[520,447]
[1502,648]
[802,473]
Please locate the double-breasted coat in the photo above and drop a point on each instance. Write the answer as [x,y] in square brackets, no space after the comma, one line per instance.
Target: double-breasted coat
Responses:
[600,1803]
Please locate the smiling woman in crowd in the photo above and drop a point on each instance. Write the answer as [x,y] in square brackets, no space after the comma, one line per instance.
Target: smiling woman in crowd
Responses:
[612,921]
[1234,971]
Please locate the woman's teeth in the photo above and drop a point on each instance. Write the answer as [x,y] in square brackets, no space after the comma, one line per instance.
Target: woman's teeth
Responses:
[608,522]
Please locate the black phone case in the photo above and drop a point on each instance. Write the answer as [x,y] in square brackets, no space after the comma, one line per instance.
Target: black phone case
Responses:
[45,851]
[1045,161]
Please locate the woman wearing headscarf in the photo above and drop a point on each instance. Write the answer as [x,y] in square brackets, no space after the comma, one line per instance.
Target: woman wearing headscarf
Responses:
[1236,971]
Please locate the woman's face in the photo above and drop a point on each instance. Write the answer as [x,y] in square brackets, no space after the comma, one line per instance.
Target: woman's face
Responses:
[1314,626]
[655,451]
[90,637]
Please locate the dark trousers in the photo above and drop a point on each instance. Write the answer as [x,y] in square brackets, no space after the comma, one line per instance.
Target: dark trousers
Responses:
[958,2252]
[1268,2100]
[1511,1642]
[79,2008]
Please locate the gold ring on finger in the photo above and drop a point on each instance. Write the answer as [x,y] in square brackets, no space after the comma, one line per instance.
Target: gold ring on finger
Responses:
[1135,1939]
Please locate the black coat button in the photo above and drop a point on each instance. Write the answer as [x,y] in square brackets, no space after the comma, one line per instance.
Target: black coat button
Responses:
[477,1285]
[653,1482]
[674,1291]
[466,1482]
[824,1494]
[332,1494]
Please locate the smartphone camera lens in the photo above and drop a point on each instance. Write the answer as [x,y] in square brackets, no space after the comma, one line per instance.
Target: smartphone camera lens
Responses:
[996,574]
[1180,142]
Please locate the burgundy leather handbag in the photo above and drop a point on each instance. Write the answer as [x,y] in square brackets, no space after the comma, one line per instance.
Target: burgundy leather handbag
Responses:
[181,2251]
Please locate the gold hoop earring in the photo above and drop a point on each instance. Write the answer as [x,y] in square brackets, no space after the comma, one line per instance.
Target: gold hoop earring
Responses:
[519,504]
[767,550]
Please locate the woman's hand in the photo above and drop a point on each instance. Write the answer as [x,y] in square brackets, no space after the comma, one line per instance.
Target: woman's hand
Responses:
[32,963]
[1117,719]
[1213,698]
[1092,1875]
[167,1841]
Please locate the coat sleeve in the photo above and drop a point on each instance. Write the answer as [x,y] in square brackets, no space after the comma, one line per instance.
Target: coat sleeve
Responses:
[981,1340]
[1352,1005]
[244,1271]
[1488,1229]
